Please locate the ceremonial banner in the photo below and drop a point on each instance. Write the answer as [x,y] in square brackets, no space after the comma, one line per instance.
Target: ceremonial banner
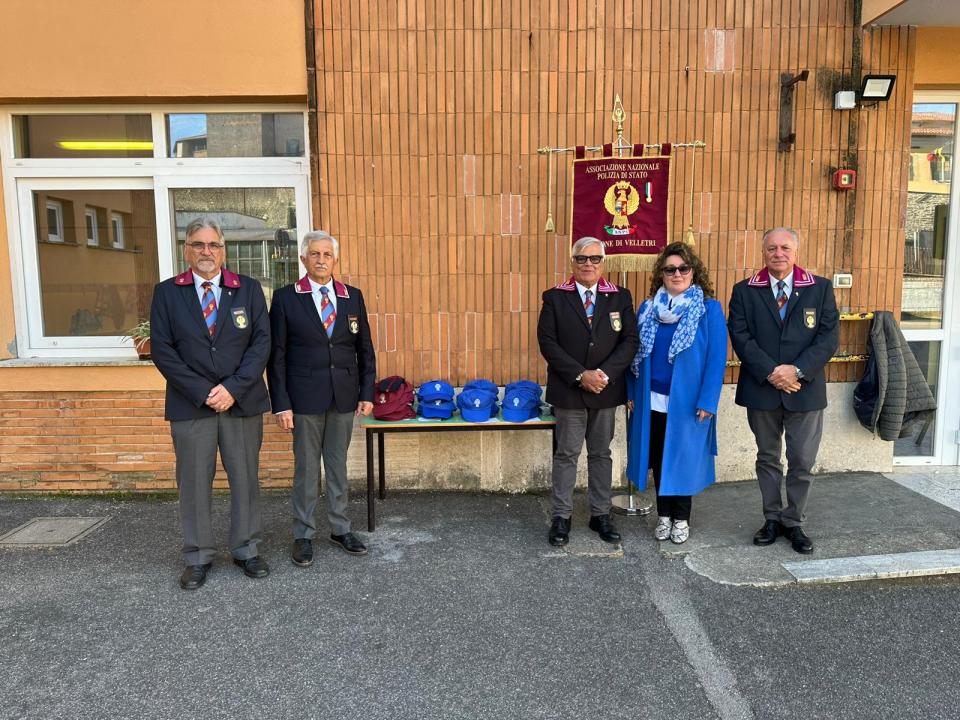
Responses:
[625,203]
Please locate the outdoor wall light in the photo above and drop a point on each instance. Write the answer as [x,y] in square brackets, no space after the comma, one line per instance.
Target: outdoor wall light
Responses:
[876,88]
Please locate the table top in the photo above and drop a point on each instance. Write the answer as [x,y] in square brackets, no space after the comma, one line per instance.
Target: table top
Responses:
[494,423]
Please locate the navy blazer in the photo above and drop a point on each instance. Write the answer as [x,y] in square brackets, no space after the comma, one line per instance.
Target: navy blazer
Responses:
[193,362]
[808,339]
[571,345]
[309,371]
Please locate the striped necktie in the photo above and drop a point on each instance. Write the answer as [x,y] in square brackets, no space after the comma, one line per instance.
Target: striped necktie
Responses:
[781,300]
[588,305]
[209,304]
[327,313]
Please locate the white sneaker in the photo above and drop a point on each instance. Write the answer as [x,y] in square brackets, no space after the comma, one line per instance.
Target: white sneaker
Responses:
[680,532]
[662,531]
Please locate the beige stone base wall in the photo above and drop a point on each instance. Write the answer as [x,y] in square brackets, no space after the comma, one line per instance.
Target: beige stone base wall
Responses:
[103,441]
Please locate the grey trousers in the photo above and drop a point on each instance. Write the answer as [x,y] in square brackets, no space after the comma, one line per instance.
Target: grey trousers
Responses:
[573,427]
[802,431]
[195,444]
[315,436]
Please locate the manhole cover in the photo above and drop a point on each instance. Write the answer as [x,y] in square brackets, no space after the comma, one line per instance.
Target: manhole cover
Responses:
[51,531]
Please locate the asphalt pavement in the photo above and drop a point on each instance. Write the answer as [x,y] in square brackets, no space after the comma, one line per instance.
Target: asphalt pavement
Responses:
[462,610]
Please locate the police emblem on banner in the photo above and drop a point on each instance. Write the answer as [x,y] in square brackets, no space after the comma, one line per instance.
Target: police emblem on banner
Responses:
[810,317]
[354,323]
[624,202]
[240,318]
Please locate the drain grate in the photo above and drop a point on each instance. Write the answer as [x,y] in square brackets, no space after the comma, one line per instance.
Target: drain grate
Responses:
[51,531]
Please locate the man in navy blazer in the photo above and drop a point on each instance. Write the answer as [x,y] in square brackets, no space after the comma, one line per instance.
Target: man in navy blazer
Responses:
[210,339]
[587,333]
[783,324]
[321,372]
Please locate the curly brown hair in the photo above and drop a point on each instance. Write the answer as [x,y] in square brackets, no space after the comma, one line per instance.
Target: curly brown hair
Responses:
[685,253]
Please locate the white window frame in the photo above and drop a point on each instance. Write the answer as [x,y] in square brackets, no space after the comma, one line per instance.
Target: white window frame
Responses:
[946,447]
[91,214]
[55,235]
[116,226]
[22,176]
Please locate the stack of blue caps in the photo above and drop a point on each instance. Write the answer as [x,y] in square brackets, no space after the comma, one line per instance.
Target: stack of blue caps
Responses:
[478,401]
[435,399]
[521,401]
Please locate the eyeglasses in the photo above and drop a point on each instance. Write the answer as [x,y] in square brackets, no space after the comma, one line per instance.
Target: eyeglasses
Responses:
[584,259]
[674,269]
[199,246]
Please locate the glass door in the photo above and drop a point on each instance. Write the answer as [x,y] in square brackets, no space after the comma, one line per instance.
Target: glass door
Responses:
[262,218]
[929,313]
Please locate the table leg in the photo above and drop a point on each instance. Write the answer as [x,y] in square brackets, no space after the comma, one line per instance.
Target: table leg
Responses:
[383,482]
[371,522]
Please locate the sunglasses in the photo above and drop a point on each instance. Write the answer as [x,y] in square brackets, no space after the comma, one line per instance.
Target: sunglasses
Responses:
[674,269]
[584,259]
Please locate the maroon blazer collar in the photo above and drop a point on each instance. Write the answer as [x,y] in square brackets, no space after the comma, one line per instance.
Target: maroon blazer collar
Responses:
[303,286]
[227,278]
[603,285]
[801,278]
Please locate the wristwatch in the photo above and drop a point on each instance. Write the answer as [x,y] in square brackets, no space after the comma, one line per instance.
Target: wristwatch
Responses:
[578,378]
[800,374]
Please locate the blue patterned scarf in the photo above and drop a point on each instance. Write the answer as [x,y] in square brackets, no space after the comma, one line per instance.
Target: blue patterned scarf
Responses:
[686,309]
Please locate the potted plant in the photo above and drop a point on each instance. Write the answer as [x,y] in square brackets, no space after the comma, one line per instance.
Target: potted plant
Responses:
[140,334]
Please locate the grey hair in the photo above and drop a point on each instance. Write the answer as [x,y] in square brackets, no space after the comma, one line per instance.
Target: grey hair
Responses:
[314,236]
[584,242]
[200,223]
[789,231]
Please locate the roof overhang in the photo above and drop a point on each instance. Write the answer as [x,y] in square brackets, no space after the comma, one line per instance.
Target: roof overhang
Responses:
[922,13]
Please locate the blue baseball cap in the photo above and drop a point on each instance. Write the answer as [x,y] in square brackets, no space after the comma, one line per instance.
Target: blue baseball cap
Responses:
[521,401]
[476,405]
[435,390]
[435,409]
[483,384]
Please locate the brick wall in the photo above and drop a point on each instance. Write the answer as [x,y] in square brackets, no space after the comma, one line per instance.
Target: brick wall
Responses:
[65,441]
[430,114]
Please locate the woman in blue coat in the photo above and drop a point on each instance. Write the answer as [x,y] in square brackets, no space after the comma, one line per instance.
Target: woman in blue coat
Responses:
[674,387]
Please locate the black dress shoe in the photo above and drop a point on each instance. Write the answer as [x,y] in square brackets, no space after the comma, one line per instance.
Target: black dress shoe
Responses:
[768,534]
[601,525]
[302,552]
[255,567]
[349,543]
[559,531]
[799,540]
[194,576]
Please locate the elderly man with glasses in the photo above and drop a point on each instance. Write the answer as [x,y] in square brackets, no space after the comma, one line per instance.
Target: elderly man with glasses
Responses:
[210,338]
[588,335]
[321,373]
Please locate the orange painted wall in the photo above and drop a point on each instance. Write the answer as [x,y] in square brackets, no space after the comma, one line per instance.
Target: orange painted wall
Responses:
[56,50]
[936,57]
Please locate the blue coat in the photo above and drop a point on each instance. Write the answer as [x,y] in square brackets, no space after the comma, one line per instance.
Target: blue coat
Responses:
[689,446]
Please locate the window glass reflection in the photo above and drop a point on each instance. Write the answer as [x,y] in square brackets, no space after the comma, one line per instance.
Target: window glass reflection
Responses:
[93,282]
[259,228]
[928,207]
[216,135]
[919,436]
[82,136]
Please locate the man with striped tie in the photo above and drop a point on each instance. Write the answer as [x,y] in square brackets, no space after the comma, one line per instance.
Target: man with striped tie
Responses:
[784,327]
[210,338]
[588,335]
[321,373]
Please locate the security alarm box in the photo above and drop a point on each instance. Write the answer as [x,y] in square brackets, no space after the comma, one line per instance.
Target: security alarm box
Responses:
[845,179]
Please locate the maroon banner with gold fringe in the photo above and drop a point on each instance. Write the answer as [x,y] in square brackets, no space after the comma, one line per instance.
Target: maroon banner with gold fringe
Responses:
[625,203]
